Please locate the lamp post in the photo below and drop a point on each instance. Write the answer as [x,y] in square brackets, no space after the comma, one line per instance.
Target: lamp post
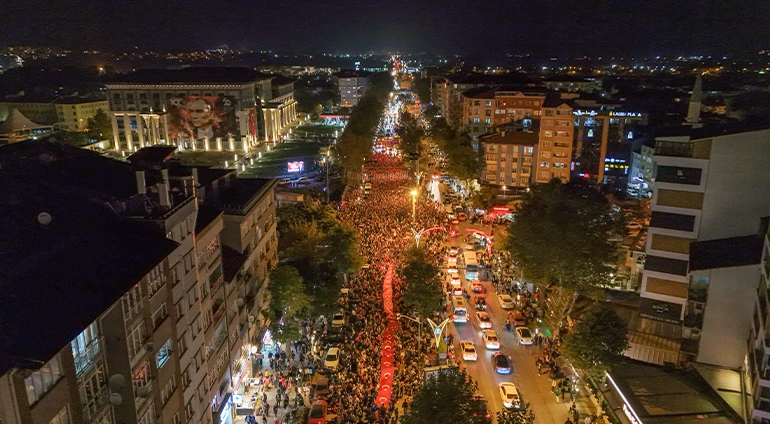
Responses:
[414,204]
[504,187]
[418,321]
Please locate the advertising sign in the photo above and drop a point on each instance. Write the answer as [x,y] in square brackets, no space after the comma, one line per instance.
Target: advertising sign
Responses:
[296,166]
[252,122]
[198,117]
[659,310]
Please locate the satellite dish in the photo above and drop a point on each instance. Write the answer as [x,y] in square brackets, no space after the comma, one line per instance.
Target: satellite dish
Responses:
[143,392]
[116,399]
[44,218]
[251,319]
[240,301]
[117,382]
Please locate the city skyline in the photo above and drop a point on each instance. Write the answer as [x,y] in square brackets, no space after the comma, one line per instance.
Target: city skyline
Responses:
[555,27]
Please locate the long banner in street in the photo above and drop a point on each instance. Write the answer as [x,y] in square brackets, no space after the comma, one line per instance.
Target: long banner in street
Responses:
[387,364]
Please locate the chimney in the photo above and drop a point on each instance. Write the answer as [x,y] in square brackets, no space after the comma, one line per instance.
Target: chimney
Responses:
[141,185]
[165,199]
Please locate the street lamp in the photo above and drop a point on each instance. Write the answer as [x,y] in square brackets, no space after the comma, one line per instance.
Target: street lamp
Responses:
[414,204]
[504,187]
[418,321]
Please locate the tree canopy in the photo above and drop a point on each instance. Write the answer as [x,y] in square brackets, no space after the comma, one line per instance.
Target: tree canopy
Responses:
[565,237]
[100,126]
[484,198]
[410,132]
[597,342]
[288,301]
[322,249]
[424,291]
[463,160]
[448,398]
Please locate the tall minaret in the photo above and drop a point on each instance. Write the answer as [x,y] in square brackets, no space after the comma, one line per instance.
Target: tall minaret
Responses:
[693,110]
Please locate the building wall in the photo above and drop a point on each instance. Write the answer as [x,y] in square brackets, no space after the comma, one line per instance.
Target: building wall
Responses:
[507,164]
[39,113]
[351,90]
[727,317]
[481,115]
[555,145]
[74,117]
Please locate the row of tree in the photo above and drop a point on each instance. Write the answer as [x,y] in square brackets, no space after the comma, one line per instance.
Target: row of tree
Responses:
[356,140]
[317,252]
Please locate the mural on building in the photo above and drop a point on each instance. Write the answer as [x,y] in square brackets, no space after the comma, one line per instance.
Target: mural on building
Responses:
[198,117]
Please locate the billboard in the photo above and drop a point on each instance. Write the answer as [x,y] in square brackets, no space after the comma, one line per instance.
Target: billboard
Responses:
[198,117]
[296,166]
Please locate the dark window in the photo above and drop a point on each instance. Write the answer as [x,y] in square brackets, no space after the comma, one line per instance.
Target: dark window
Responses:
[143,96]
[678,175]
[130,96]
[672,221]
[156,95]
[116,96]
[667,265]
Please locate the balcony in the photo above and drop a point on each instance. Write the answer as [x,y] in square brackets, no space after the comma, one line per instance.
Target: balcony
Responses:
[86,357]
[216,283]
[95,404]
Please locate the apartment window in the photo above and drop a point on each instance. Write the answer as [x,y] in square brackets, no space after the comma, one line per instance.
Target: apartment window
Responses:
[183,343]
[168,390]
[159,315]
[63,417]
[545,164]
[562,134]
[488,103]
[186,378]
[548,112]
[164,353]
[85,348]
[559,165]
[477,103]
[149,416]
[176,419]
[672,221]
[41,381]
[136,339]
[545,154]
[476,120]
[678,175]
[487,121]
[528,150]
[132,303]
[547,133]
[92,392]
[179,309]
[189,410]
[543,176]
[130,96]
[155,280]
[116,96]
[140,376]
[488,112]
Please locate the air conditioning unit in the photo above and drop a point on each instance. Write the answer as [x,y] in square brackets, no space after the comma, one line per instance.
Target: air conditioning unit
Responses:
[149,347]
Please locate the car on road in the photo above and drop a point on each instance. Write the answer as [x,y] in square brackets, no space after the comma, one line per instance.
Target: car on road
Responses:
[455,222]
[452,269]
[367,185]
[317,414]
[452,258]
[476,287]
[454,250]
[505,301]
[469,350]
[462,216]
[484,321]
[335,335]
[332,360]
[453,279]
[510,395]
[284,181]
[451,217]
[490,339]
[502,363]
[525,336]
[338,319]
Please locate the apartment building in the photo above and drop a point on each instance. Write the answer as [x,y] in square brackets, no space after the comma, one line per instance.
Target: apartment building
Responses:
[555,141]
[709,189]
[508,157]
[486,107]
[572,83]
[70,113]
[352,85]
[757,361]
[132,283]
[456,85]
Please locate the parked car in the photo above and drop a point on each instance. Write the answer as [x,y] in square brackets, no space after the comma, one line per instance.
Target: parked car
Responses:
[338,319]
[332,360]
[505,301]
[525,336]
[317,414]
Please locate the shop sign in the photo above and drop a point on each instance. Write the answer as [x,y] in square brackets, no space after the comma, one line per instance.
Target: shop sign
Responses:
[500,209]
[659,310]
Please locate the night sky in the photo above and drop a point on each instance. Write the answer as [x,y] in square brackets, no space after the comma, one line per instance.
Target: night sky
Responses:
[541,27]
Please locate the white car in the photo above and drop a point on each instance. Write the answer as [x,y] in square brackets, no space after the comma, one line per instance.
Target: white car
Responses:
[332,358]
[484,320]
[505,301]
[525,336]
[454,279]
[469,350]
[490,339]
[338,319]
[451,259]
[510,395]
[454,250]
[452,269]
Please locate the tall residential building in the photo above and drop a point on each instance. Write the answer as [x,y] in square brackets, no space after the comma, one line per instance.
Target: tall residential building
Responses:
[757,369]
[486,107]
[459,83]
[508,157]
[142,315]
[555,142]
[710,188]
[352,85]
[199,108]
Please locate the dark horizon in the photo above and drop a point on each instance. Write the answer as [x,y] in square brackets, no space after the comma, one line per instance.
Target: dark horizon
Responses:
[537,27]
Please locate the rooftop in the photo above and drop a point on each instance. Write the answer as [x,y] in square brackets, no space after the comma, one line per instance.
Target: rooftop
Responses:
[232,262]
[352,73]
[192,75]
[726,253]
[475,78]
[279,79]
[655,396]
[206,215]
[709,130]
[238,193]
[489,92]
[58,276]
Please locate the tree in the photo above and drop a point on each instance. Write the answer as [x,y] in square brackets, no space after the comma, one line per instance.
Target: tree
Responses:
[410,132]
[448,397]
[484,198]
[100,126]
[565,238]
[322,249]
[422,89]
[441,133]
[462,159]
[523,415]
[597,342]
[288,300]
[424,291]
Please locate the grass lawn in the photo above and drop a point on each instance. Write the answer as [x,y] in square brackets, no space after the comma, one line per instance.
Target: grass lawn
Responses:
[204,158]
